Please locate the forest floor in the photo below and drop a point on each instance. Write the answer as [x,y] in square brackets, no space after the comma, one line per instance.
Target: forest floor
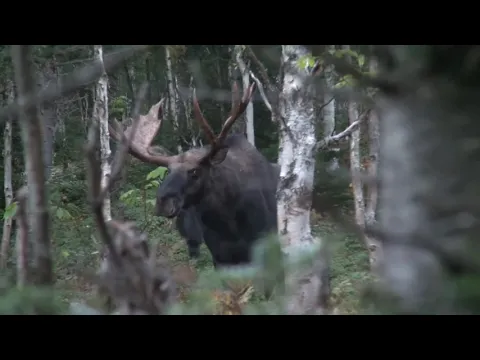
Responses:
[349,272]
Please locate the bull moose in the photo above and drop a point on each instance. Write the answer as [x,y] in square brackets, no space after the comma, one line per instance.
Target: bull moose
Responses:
[190,228]
[229,183]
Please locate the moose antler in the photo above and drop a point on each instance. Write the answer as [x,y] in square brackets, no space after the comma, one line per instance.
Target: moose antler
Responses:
[144,129]
[237,110]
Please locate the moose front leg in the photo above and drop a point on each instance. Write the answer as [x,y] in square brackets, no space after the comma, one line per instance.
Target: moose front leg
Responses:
[226,249]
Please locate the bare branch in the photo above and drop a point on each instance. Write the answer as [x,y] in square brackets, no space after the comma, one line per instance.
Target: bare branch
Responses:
[262,91]
[262,69]
[139,284]
[70,83]
[94,180]
[33,146]
[325,143]
[325,104]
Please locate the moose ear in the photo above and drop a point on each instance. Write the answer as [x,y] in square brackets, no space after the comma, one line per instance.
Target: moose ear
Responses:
[218,156]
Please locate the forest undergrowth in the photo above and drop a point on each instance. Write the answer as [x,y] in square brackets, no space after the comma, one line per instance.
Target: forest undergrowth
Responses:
[77,250]
[78,257]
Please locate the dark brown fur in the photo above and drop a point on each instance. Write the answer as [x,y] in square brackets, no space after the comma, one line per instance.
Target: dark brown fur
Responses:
[234,200]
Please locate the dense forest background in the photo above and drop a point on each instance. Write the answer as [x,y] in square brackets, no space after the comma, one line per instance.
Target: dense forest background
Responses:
[332,98]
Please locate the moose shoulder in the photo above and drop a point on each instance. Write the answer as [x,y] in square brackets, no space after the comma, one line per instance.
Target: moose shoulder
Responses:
[230,184]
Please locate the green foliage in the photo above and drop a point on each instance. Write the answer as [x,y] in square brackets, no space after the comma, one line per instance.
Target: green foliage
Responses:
[158,173]
[306,61]
[30,301]
[344,81]
[61,213]
[10,210]
[118,106]
[74,236]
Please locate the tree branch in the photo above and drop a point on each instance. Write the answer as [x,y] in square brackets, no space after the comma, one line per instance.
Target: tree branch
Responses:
[262,69]
[262,91]
[329,140]
[68,84]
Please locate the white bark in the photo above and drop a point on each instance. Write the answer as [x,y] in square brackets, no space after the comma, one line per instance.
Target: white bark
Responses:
[172,95]
[187,105]
[244,68]
[100,114]
[365,203]
[7,182]
[329,109]
[374,246]
[356,167]
[297,165]
[296,151]
[329,100]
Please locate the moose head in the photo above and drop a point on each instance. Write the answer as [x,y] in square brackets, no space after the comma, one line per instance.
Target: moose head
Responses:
[189,176]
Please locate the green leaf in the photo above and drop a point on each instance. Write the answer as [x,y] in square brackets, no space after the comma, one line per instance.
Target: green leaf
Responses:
[361,60]
[306,61]
[346,80]
[127,194]
[62,214]
[159,172]
[10,210]
[346,52]
[150,202]
[155,183]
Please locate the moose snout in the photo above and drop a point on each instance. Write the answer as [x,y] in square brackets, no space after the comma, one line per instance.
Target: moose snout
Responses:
[168,206]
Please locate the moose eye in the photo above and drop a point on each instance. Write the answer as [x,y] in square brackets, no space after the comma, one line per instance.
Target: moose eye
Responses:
[193,173]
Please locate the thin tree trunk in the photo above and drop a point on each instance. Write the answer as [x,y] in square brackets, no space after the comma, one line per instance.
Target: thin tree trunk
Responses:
[329,109]
[187,105]
[49,117]
[172,95]
[130,75]
[32,136]
[22,248]
[297,166]
[100,111]
[7,180]
[245,71]
[371,198]
[355,166]
[365,202]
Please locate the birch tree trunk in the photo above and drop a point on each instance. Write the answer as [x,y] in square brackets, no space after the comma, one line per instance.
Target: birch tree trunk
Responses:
[172,95]
[365,202]
[329,109]
[371,196]
[356,167]
[244,68]
[7,180]
[100,114]
[297,165]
